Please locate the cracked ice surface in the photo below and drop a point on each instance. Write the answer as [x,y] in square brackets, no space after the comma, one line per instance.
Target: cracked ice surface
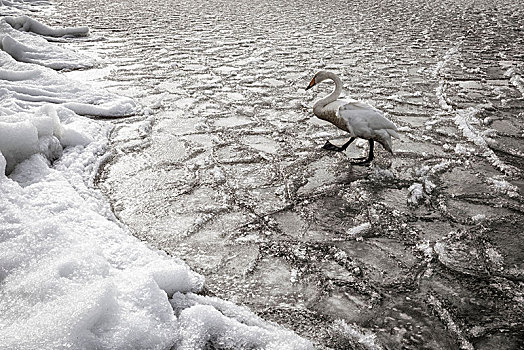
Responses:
[423,250]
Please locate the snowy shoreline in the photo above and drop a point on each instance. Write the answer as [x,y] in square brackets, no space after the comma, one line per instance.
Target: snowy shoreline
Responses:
[71,276]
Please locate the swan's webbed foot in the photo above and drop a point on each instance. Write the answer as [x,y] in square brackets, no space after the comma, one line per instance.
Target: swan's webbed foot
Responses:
[365,161]
[331,147]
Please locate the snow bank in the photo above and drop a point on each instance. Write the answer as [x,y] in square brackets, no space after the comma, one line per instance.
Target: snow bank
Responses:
[27,82]
[22,135]
[71,276]
[27,24]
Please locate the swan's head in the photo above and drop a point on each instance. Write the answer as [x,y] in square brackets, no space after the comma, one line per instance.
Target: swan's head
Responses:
[318,78]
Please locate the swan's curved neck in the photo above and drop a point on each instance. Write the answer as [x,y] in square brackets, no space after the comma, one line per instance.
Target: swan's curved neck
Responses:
[333,95]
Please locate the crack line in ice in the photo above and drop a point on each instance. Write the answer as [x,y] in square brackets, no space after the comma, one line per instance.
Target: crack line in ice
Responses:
[446,318]
[463,117]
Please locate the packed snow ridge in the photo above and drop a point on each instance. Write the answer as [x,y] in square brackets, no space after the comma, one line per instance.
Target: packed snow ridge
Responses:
[71,276]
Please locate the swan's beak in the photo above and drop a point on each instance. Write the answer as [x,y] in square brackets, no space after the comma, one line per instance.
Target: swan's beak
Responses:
[311,84]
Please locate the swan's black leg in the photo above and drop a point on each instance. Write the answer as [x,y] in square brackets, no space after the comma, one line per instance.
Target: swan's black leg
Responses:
[331,147]
[370,155]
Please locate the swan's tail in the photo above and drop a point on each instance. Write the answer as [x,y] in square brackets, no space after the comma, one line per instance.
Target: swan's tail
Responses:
[385,140]
[393,133]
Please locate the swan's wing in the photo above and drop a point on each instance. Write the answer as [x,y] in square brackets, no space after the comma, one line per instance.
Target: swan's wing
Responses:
[367,122]
[363,119]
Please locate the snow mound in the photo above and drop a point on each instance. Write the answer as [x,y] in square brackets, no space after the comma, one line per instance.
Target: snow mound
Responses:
[31,48]
[47,131]
[23,134]
[206,320]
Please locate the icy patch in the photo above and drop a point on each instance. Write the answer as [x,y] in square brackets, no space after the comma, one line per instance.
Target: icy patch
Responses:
[456,252]
[261,143]
[353,337]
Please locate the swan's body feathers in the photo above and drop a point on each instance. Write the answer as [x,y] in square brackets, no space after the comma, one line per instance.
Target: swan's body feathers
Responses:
[330,113]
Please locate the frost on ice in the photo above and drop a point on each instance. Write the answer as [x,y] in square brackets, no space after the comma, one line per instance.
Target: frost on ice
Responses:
[71,276]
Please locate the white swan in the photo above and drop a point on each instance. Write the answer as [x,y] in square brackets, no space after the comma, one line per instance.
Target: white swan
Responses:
[357,118]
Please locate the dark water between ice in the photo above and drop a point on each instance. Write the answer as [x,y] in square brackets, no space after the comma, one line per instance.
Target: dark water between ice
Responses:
[225,168]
